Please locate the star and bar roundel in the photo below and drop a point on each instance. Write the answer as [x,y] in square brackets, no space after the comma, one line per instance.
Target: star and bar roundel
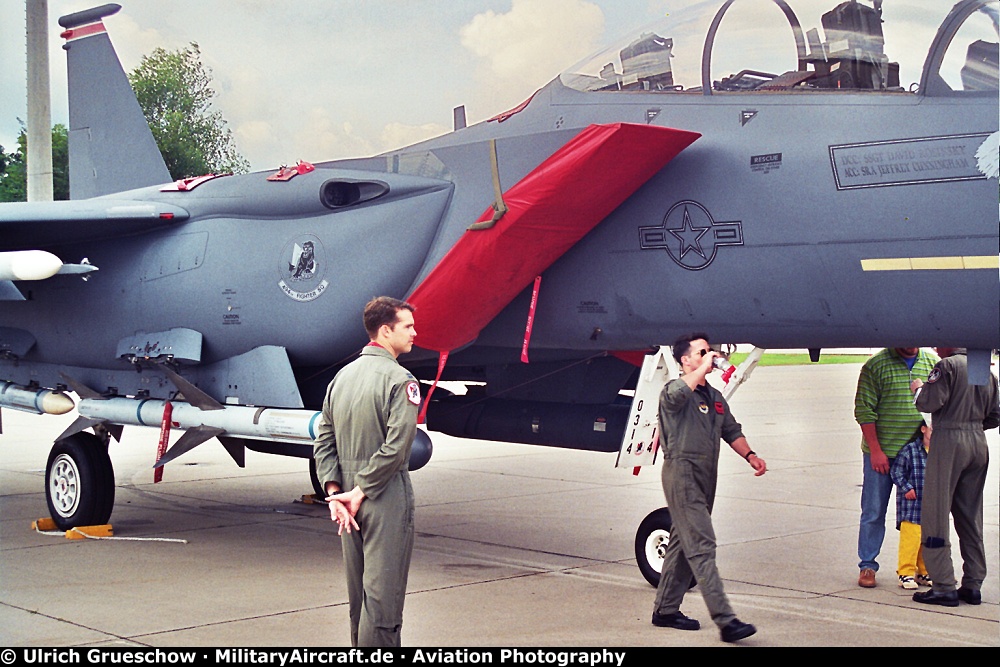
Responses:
[690,236]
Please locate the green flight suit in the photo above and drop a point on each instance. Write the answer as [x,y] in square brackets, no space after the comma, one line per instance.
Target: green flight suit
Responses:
[363,439]
[692,423]
[955,477]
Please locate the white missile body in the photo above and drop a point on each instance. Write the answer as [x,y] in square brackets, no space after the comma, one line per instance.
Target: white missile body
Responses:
[275,424]
[28,265]
[38,401]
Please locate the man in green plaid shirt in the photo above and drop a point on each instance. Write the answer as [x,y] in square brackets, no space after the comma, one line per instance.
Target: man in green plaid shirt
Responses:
[883,407]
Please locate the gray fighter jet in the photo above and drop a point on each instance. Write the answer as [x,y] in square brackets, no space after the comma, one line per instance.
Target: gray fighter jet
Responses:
[787,184]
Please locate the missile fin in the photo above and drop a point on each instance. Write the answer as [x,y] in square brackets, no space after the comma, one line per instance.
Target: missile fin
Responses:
[82,390]
[191,439]
[81,424]
[115,430]
[192,394]
[9,291]
[236,449]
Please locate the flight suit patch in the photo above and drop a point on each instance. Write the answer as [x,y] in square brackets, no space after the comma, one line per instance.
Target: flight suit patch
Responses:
[935,375]
[413,393]
[703,407]
[719,408]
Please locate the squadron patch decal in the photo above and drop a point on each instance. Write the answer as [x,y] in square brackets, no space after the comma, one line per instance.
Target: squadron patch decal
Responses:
[302,268]
[413,393]
[703,407]
[935,375]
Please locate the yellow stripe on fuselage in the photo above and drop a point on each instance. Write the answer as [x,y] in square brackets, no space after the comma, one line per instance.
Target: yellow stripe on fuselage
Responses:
[931,263]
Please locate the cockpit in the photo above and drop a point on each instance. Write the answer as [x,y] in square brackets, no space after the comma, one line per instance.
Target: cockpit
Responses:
[875,46]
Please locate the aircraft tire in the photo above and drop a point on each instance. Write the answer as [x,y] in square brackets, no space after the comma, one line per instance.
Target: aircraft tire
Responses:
[314,478]
[79,482]
[651,543]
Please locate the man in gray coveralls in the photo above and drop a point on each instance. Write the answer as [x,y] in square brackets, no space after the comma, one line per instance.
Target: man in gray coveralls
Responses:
[694,417]
[956,476]
[363,444]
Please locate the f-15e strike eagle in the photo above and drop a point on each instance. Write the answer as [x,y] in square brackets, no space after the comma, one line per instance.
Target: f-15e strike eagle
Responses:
[821,191]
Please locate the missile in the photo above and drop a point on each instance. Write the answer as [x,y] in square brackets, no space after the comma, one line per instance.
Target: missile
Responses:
[38,401]
[28,265]
[274,424]
[39,265]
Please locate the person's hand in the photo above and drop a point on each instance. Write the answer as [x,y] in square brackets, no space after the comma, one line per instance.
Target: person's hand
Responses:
[911,494]
[758,464]
[341,516]
[916,384]
[351,499]
[706,361]
[880,462]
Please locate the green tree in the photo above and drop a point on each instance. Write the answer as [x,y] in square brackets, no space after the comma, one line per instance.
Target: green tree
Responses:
[175,93]
[14,172]
[13,177]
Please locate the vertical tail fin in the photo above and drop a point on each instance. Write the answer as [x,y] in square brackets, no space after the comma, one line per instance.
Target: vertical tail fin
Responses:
[111,148]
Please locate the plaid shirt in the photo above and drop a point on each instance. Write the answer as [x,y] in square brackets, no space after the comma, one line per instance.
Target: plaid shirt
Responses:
[907,473]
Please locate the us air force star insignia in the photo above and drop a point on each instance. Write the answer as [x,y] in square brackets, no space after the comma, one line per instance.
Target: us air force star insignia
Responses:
[413,393]
[703,406]
[935,374]
[690,236]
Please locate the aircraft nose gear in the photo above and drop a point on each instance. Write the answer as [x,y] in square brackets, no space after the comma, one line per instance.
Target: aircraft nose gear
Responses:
[79,482]
[651,543]
[64,482]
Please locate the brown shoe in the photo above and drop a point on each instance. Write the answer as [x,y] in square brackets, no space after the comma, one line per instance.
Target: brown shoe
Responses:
[867,578]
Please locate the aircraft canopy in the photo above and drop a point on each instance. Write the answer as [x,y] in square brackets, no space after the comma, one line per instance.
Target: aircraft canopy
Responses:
[803,45]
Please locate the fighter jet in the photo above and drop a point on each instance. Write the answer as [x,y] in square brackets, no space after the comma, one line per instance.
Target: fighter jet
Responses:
[794,180]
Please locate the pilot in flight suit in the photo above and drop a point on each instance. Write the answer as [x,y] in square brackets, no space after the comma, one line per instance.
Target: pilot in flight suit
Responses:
[694,417]
[955,476]
[363,443]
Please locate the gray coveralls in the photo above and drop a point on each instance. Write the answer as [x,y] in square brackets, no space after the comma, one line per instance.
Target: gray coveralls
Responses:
[363,439]
[956,470]
[691,426]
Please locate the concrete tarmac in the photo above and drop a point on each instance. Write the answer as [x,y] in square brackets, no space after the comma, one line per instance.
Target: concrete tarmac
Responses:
[517,545]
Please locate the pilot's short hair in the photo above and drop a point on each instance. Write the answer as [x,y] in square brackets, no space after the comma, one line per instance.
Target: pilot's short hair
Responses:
[683,343]
[383,310]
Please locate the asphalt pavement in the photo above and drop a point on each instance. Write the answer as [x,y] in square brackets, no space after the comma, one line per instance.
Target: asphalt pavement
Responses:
[517,545]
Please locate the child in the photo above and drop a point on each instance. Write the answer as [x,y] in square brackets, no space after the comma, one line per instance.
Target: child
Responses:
[907,474]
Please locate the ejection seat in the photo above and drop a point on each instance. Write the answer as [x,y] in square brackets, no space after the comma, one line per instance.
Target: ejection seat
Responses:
[981,70]
[853,55]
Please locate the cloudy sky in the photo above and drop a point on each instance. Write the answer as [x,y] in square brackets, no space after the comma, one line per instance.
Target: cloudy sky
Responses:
[323,79]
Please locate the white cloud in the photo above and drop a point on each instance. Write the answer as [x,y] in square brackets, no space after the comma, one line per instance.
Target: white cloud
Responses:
[523,49]
[318,137]
[536,38]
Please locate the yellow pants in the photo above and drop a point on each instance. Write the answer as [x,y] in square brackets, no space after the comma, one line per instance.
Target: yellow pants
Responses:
[911,554]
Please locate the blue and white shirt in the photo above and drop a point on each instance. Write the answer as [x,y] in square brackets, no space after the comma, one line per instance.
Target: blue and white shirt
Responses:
[907,473]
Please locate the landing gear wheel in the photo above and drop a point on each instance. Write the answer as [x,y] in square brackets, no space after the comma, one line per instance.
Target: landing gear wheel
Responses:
[314,478]
[79,482]
[651,543]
